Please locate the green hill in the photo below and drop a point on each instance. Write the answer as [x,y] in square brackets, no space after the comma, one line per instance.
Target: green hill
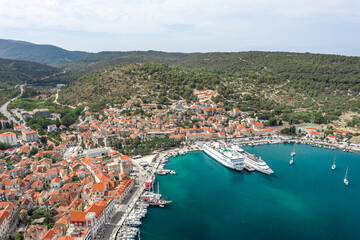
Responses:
[282,88]
[47,54]
[97,61]
[332,72]
[15,72]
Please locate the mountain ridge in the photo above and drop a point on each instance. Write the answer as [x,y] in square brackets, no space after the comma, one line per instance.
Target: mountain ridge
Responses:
[46,54]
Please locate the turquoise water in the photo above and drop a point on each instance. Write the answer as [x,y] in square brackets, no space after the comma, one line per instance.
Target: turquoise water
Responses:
[306,200]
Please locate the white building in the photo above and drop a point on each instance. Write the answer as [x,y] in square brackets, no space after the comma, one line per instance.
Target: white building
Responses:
[52,128]
[8,137]
[30,136]
[97,152]
[4,224]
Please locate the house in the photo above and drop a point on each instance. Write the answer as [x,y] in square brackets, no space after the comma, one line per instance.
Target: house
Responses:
[121,191]
[99,189]
[128,106]
[52,128]
[17,172]
[341,132]
[5,222]
[257,126]
[30,136]
[52,234]
[51,173]
[13,183]
[55,183]
[71,188]
[93,218]
[317,135]
[9,138]
[37,185]
[110,210]
[35,232]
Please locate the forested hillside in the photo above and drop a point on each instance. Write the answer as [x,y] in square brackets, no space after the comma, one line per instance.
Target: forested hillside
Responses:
[160,84]
[307,72]
[100,60]
[15,72]
[47,54]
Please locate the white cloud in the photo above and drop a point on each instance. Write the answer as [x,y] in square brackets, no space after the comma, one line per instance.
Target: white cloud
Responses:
[186,25]
[146,16]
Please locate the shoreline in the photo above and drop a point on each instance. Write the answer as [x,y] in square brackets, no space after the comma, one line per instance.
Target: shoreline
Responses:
[135,197]
[300,141]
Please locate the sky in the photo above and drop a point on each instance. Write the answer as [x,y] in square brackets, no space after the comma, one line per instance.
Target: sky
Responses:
[318,26]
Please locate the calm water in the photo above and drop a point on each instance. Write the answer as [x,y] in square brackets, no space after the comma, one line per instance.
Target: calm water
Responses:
[306,200]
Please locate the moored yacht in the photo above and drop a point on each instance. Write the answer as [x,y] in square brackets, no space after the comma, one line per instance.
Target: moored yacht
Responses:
[254,162]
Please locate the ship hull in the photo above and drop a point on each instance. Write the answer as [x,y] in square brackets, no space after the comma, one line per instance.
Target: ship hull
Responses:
[258,168]
[221,161]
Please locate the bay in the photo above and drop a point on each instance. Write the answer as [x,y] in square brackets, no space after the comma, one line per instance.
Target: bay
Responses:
[305,200]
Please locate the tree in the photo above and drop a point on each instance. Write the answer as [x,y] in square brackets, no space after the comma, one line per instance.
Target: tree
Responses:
[75,178]
[289,131]
[46,203]
[19,236]
[33,152]
[68,119]
[24,216]
[4,146]
[272,121]
[43,140]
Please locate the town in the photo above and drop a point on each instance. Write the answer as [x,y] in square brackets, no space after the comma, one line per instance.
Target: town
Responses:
[79,181]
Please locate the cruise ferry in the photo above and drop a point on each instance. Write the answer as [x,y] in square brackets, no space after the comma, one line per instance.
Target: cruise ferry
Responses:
[225,155]
[254,162]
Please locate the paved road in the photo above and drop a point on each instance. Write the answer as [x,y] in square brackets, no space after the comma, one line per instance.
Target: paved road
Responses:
[3,108]
[125,208]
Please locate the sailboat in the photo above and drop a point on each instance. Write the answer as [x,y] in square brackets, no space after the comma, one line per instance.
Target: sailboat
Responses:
[292,160]
[151,200]
[345,179]
[293,152]
[333,166]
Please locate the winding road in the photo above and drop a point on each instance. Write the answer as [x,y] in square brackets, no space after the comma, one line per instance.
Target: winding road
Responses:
[3,108]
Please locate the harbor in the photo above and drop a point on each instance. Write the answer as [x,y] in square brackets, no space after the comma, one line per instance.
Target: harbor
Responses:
[159,164]
[203,190]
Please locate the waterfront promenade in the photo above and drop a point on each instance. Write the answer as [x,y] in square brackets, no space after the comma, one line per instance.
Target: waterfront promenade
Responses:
[143,174]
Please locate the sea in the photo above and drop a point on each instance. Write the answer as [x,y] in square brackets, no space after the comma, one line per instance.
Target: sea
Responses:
[305,200]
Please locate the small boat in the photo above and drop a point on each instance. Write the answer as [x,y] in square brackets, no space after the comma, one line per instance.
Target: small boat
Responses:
[293,152]
[333,166]
[161,205]
[292,160]
[155,200]
[345,179]
[161,172]
[172,172]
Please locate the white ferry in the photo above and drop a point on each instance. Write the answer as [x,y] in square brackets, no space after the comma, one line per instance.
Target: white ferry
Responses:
[225,155]
[255,162]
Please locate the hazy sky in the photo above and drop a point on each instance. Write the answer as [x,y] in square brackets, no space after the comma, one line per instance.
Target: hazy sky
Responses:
[324,26]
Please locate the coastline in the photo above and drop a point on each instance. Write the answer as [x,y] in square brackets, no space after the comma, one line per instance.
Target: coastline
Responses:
[197,146]
[302,141]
